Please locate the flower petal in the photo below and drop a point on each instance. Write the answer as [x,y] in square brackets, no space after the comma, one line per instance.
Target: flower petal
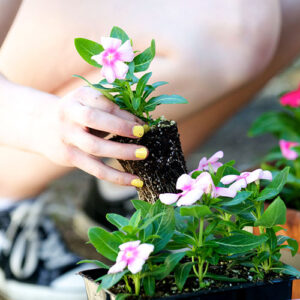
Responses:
[229,179]
[225,192]
[267,175]
[126,52]
[253,176]
[98,58]
[215,166]
[144,250]
[218,155]
[136,265]
[190,197]
[285,147]
[120,69]
[117,267]
[168,198]
[120,256]
[110,43]
[184,181]
[132,244]
[108,73]
[202,164]
[238,185]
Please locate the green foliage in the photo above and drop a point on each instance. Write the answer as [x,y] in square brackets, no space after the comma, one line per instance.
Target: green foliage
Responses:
[87,49]
[122,91]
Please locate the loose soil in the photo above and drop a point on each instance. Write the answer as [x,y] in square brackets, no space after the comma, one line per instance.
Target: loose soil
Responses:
[165,163]
[167,286]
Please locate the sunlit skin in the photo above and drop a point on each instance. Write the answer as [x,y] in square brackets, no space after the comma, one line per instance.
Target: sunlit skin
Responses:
[234,47]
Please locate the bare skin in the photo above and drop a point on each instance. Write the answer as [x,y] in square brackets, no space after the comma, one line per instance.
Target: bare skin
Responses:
[218,51]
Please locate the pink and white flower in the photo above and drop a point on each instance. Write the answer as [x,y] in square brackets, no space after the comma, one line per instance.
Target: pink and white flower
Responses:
[245,178]
[287,152]
[291,99]
[132,255]
[212,161]
[193,189]
[113,57]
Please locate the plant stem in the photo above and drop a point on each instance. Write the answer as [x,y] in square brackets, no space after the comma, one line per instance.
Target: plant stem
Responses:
[137,283]
[194,267]
[201,225]
[127,285]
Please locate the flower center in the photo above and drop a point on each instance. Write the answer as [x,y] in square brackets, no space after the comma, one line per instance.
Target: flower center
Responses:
[110,57]
[129,254]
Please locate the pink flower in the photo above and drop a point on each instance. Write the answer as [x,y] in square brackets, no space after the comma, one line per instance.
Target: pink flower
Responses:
[285,147]
[193,189]
[245,178]
[113,57]
[291,99]
[132,254]
[212,161]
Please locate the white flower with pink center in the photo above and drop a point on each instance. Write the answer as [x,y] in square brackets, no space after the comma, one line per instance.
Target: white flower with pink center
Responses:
[287,152]
[132,255]
[213,161]
[193,189]
[113,57]
[245,178]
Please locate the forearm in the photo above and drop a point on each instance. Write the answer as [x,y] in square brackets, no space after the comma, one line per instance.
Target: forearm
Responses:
[23,114]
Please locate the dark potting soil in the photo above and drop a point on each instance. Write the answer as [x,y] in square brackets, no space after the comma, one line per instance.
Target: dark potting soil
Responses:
[167,287]
[165,163]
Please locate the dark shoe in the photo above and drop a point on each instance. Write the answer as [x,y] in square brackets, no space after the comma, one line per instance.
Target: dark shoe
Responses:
[34,261]
[97,205]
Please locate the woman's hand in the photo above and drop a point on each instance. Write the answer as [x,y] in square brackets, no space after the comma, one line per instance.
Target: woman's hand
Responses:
[84,111]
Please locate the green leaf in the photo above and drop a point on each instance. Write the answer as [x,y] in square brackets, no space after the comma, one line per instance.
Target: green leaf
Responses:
[149,221]
[197,211]
[170,263]
[135,219]
[142,83]
[275,214]
[159,83]
[136,102]
[86,49]
[275,187]
[181,274]
[294,245]
[119,33]
[104,242]
[164,99]
[164,226]
[238,243]
[98,263]
[184,238]
[149,285]
[142,205]
[117,220]
[281,124]
[109,280]
[143,60]
[122,296]
[224,278]
[239,198]
[104,91]
[285,269]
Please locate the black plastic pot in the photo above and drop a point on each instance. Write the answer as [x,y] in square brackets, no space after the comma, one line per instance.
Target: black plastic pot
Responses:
[275,290]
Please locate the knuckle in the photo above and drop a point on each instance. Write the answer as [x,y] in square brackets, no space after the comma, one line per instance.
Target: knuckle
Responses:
[108,106]
[87,115]
[91,146]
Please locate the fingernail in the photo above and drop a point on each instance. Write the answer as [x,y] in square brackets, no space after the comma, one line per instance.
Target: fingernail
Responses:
[138,131]
[137,183]
[146,128]
[141,153]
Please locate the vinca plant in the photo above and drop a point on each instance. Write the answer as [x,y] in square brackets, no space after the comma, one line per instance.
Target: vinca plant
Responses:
[190,235]
[119,67]
[284,126]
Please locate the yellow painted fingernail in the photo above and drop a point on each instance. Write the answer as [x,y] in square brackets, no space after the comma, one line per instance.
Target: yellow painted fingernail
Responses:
[137,183]
[141,153]
[146,128]
[138,131]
